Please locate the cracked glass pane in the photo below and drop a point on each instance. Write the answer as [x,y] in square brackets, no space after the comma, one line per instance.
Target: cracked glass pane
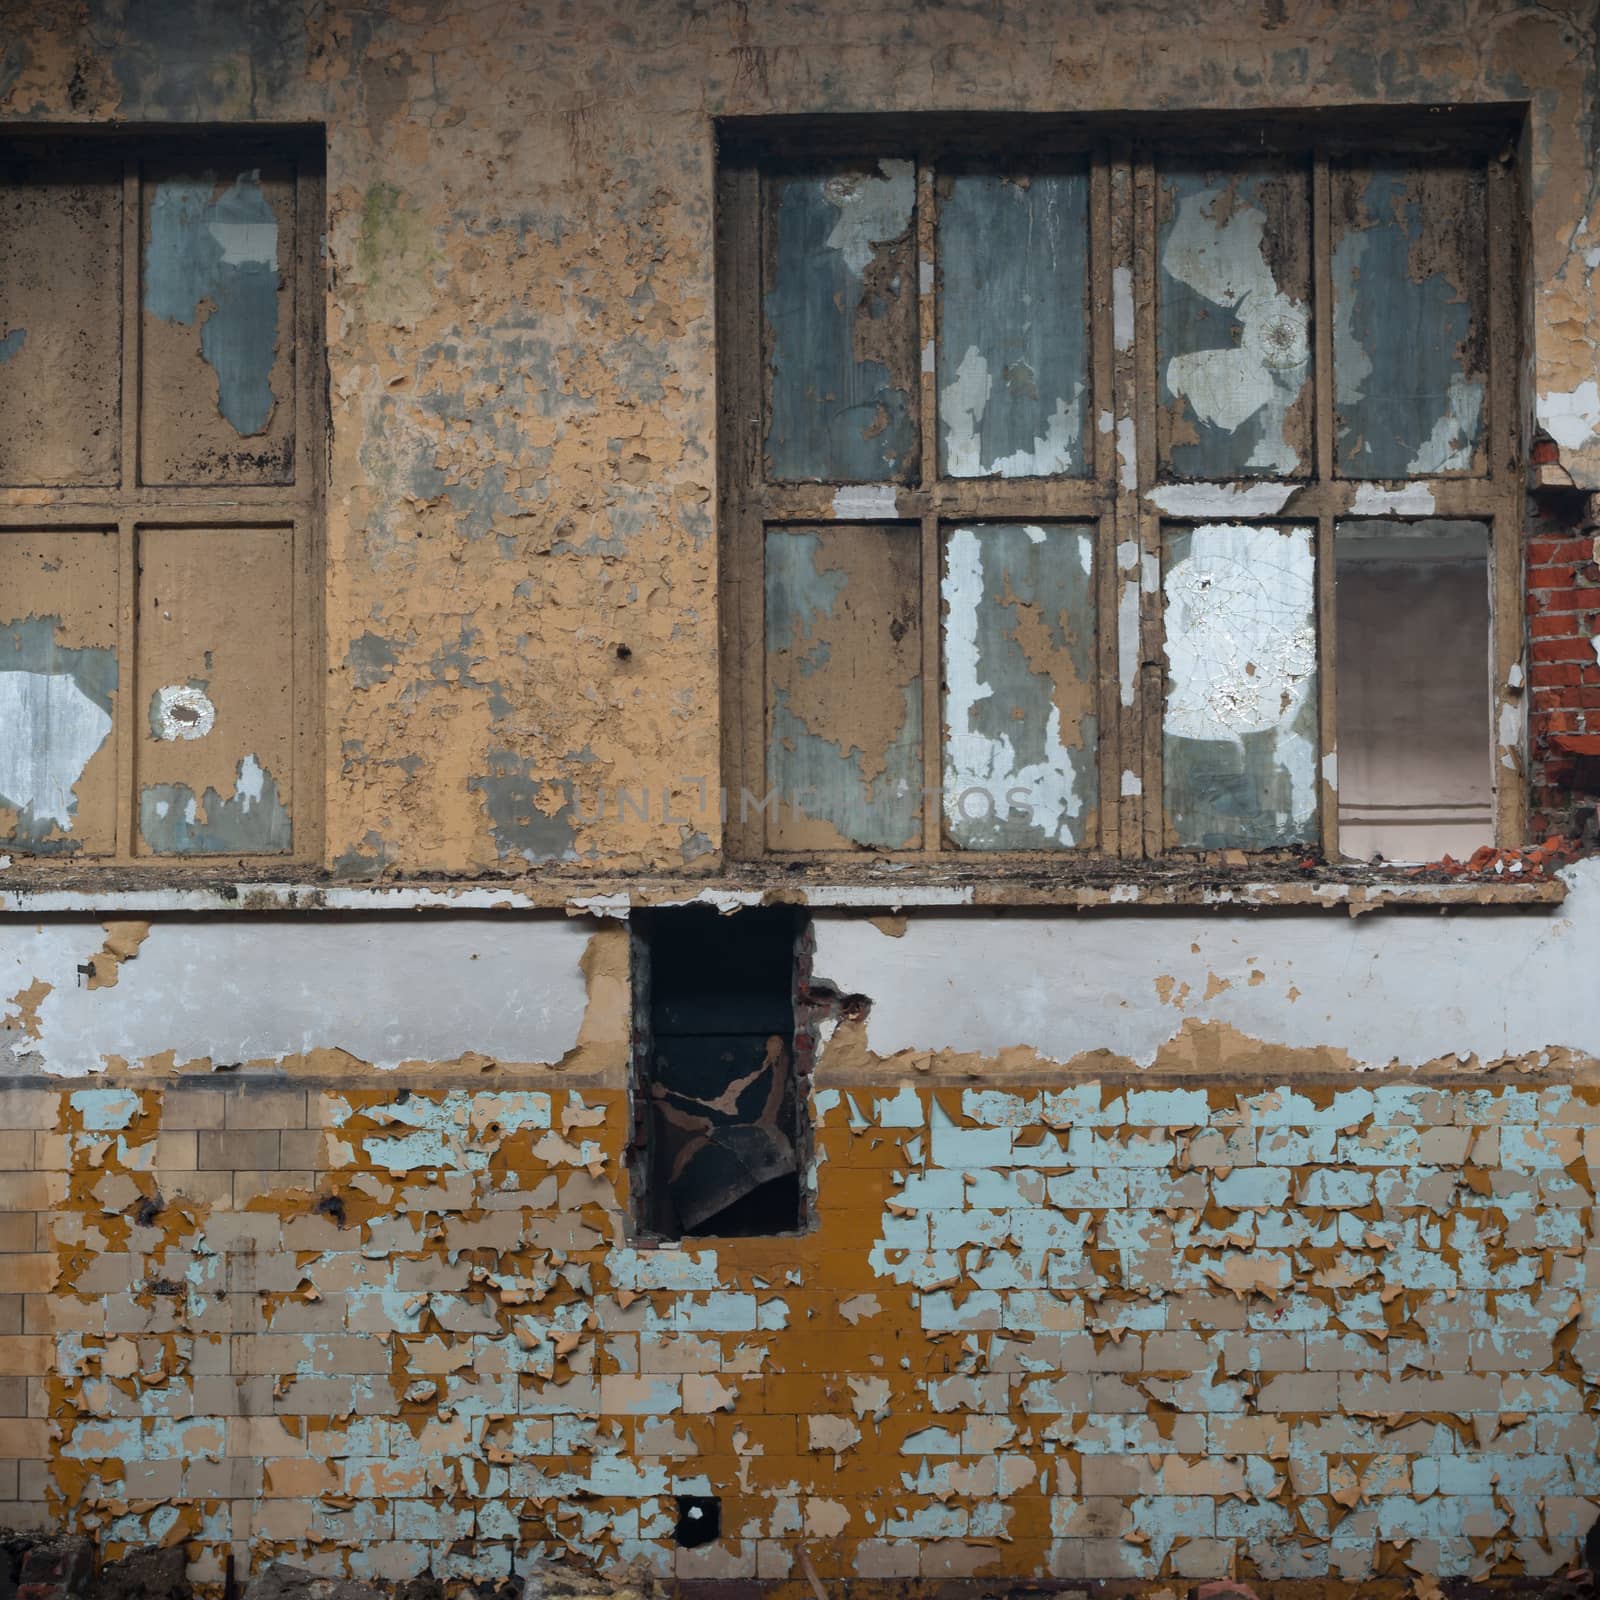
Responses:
[1239,745]
[1234,324]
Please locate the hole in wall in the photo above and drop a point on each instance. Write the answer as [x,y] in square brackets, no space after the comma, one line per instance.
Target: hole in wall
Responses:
[719,1100]
[699,1521]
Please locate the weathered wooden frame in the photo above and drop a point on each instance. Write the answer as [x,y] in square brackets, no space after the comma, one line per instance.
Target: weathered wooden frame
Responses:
[1122,158]
[132,506]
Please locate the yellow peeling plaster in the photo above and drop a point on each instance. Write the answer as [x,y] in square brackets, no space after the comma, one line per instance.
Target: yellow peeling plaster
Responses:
[520,335]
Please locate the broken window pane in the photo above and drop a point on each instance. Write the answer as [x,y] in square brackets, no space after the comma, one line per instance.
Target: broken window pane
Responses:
[1239,748]
[60,303]
[1415,762]
[214,670]
[717,993]
[1234,323]
[1013,326]
[58,686]
[841,331]
[1410,319]
[1019,687]
[217,327]
[844,688]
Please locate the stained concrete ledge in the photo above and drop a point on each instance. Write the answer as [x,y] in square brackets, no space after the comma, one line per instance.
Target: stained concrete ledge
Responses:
[890,891]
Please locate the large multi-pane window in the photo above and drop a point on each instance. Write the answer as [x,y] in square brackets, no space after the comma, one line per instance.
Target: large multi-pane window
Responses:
[160,412]
[1121,497]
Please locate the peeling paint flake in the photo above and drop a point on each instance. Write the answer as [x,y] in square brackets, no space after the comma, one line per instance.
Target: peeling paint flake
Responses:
[1234,344]
[250,821]
[58,682]
[1020,765]
[216,756]
[1013,326]
[1240,722]
[213,258]
[844,695]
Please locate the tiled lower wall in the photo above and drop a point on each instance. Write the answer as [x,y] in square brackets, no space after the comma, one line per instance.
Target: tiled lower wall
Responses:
[1144,1329]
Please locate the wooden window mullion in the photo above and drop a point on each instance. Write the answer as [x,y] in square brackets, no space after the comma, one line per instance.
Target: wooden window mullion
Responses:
[1103,470]
[1508,705]
[1144,519]
[1325,569]
[927,257]
[127,531]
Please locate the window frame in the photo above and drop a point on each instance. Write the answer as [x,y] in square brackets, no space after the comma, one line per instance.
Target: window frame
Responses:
[1123,158]
[131,507]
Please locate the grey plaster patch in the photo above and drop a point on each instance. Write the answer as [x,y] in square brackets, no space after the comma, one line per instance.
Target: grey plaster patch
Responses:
[511,793]
[251,821]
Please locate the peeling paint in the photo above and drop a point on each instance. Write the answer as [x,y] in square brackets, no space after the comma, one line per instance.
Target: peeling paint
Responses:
[843,768]
[1373,500]
[220,251]
[56,701]
[1013,326]
[1020,767]
[1239,726]
[1235,349]
[864,502]
[1220,499]
[250,821]
[1571,418]
[181,711]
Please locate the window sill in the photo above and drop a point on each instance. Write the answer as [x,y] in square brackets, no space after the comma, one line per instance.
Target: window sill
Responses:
[865,886]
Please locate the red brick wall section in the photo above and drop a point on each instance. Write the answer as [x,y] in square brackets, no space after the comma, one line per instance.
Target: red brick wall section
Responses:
[1563,666]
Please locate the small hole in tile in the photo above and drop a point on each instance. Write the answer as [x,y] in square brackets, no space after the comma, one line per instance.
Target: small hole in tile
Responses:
[699,1521]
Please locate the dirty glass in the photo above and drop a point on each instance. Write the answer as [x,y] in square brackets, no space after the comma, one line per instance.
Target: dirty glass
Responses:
[1019,770]
[1239,729]
[1233,335]
[1415,762]
[840,316]
[1410,319]
[1014,340]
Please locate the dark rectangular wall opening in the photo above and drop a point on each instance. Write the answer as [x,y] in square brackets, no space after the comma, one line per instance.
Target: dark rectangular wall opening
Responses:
[719,1095]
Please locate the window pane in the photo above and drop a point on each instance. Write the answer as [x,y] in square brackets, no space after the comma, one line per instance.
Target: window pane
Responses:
[1019,694]
[1234,326]
[1415,762]
[1410,321]
[217,288]
[60,311]
[58,691]
[841,337]
[844,688]
[215,671]
[1013,326]
[1239,751]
